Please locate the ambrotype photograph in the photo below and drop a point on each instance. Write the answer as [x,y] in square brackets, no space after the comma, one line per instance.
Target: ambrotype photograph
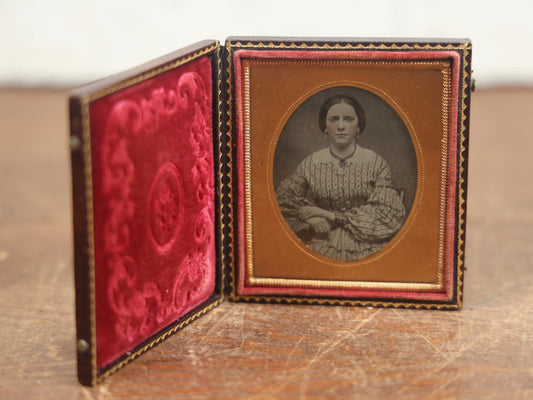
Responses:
[345,173]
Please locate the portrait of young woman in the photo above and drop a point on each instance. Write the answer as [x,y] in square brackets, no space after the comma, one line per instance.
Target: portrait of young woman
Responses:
[345,173]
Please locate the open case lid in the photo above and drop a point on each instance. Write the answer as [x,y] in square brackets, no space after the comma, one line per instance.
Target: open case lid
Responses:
[145,151]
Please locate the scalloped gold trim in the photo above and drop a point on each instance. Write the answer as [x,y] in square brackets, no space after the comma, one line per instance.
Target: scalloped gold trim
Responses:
[231,216]
[462,169]
[347,302]
[344,46]
[222,261]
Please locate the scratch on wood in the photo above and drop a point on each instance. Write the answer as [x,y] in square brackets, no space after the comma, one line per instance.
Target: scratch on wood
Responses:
[236,316]
[447,381]
[292,351]
[504,334]
[332,346]
[510,286]
[216,325]
[525,348]
[423,336]
[409,384]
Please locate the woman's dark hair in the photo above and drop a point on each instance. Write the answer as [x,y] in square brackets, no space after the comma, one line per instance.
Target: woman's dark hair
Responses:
[341,98]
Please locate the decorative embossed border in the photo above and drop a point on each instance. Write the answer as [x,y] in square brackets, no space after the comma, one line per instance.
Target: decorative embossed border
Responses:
[252,280]
[80,144]
[462,51]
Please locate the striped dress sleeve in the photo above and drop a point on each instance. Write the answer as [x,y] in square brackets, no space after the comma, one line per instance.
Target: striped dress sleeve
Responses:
[291,195]
[382,215]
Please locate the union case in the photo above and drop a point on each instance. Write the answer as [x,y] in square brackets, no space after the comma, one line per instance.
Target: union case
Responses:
[178,170]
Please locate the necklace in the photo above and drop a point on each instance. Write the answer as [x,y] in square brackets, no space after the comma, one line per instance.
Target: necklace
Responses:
[342,160]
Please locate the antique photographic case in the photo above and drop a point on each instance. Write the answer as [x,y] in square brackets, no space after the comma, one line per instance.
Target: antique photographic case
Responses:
[301,171]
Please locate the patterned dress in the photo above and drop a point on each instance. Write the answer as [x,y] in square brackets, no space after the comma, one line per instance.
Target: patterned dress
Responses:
[368,210]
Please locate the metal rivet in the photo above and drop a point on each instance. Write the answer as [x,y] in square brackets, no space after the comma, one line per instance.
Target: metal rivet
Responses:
[83,346]
[75,143]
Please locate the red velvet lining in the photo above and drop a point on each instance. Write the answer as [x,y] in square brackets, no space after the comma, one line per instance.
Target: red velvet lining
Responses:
[245,289]
[153,196]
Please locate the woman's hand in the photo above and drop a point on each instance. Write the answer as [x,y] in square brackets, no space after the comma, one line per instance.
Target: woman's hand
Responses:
[307,212]
[319,224]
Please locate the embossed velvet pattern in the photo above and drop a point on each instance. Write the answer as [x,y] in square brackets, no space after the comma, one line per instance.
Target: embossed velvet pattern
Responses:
[153,196]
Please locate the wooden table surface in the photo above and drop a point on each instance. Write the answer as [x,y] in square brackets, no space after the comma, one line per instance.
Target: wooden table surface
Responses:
[247,351]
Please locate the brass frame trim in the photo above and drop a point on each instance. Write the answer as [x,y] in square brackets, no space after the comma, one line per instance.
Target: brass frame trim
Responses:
[341,301]
[230,260]
[314,45]
[337,284]
[462,170]
[87,160]
[220,176]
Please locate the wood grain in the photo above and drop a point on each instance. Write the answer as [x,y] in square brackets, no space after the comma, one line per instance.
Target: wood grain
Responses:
[254,351]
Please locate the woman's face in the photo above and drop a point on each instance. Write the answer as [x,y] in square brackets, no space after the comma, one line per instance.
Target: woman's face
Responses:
[342,124]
